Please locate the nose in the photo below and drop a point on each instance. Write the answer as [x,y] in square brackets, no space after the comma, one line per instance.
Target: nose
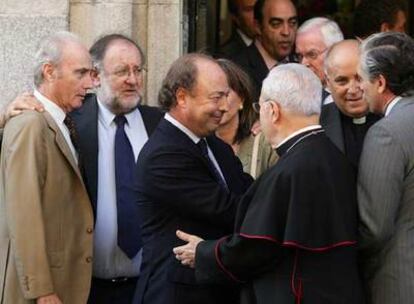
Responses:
[88,83]
[224,104]
[285,29]
[132,78]
[304,61]
[354,86]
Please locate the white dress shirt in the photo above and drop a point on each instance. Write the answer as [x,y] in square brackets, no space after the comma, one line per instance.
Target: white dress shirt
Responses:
[109,260]
[195,139]
[392,104]
[58,116]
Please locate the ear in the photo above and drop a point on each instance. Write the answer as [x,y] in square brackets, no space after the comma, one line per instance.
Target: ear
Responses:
[275,112]
[382,84]
[49,72]
[181,97]
[385,27]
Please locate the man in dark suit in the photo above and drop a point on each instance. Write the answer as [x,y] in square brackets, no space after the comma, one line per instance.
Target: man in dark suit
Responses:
[276,24]
[386,172]
[118,63]
[186,179]
[243,33]
[346,120]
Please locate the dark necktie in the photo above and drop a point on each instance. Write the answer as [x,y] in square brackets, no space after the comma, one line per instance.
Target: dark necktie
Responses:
[70,124]
[202,144]
[129,230]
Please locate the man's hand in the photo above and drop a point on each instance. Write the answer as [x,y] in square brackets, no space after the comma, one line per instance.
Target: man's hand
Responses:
[49,299]
[186,253]
[25,101]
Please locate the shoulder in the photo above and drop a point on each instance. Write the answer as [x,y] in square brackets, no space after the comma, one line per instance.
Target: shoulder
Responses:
[150,111]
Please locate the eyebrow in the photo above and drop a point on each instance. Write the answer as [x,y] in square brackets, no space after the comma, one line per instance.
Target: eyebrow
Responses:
[272,19]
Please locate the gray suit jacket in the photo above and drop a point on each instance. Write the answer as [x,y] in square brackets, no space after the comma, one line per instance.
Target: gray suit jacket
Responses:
[386,206]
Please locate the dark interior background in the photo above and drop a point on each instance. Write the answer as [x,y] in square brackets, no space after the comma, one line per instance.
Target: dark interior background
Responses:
[207,23]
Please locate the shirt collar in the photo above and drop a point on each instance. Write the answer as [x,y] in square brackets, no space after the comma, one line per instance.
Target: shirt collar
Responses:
[108,117]
[244,37]
[308,128]
[183,128]
[392,104]
[54,110]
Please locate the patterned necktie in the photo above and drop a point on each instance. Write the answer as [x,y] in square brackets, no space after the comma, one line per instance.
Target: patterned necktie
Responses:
[70,124]
[129,230]
[202,144]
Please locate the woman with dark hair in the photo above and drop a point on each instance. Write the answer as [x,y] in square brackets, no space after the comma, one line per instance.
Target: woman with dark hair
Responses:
[254,152]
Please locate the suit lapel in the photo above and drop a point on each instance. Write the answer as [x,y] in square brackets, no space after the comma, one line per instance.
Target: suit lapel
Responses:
[62,144]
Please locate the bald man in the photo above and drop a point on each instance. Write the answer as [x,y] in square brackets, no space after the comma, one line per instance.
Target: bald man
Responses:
[346,120]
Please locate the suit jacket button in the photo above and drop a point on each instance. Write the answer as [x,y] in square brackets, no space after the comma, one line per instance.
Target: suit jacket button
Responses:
[88,259]
[89,230]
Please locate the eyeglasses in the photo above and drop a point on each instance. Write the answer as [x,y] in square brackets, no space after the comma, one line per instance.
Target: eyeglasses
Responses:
[311,55]
[256,107]
[124,72]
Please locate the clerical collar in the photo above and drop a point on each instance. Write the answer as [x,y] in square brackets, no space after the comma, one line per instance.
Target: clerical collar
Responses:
[295,138]
[392,104]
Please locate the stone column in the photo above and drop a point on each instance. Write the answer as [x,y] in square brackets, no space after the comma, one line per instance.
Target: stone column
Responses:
[164,43]
[23,23]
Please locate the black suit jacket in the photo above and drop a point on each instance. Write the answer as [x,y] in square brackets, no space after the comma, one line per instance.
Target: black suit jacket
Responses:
[177,190]
[252,62]
[231,47]
[86,120]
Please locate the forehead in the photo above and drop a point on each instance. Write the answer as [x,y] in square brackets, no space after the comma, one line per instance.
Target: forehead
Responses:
[311,39]
[122,52]
[344,62]
[283,9]
[76,55]
[210,76]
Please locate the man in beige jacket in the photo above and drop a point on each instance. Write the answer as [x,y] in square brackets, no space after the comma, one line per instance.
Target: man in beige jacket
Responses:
[46,220]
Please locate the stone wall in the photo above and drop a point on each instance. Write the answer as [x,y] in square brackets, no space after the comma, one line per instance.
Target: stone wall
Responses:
[22,24]
[154,24]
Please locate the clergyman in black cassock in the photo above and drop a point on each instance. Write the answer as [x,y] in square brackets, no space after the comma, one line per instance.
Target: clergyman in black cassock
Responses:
[296,226]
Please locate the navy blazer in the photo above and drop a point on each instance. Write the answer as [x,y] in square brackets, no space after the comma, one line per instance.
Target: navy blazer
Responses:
[86,121]
[177,190]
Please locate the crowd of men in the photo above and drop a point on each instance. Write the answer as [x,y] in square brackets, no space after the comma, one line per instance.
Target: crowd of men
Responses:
[105,200]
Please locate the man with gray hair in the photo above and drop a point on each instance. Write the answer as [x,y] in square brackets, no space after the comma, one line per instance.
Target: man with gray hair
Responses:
[289,221]
[313,39]
[46,228]
[386,175]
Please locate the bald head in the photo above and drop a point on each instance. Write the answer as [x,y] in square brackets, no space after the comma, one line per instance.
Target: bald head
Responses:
[341,50]
[341,68]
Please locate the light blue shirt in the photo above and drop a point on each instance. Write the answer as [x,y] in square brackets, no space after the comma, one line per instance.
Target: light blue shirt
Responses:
[109,260]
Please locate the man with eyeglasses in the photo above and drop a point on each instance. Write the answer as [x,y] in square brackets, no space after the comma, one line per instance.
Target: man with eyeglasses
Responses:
[112,128]
[313,39]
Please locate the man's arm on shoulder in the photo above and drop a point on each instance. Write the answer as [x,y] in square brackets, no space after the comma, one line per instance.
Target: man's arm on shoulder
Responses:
[24,172]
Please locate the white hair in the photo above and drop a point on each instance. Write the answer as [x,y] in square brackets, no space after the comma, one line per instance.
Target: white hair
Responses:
[329,29]
[295,87]
[50,51]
